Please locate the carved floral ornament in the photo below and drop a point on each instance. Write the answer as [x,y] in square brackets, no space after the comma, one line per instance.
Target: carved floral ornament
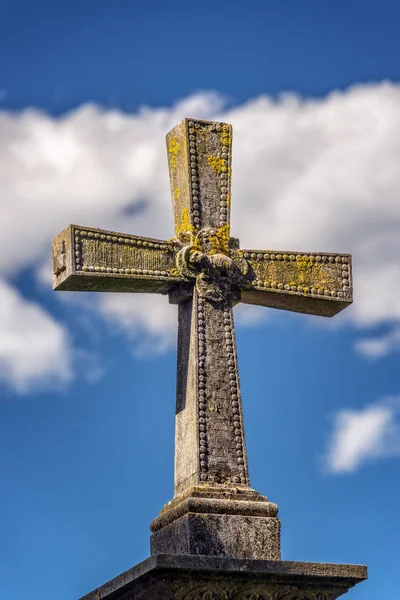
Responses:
[211,591]
[224,590]
[206,257]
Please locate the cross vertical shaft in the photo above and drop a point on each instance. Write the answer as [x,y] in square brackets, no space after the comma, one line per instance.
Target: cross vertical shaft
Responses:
[209,442]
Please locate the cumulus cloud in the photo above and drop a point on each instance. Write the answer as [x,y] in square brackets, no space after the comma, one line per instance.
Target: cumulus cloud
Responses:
[308,174]
[152,326]
[363,435]
[377,347]
[35,350]
[320,175]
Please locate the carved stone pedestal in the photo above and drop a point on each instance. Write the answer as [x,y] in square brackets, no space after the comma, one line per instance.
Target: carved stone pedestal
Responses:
[175,577]
[236,523]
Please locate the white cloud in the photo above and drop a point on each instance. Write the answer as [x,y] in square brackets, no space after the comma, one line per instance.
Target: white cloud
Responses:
[321,175]
[379,346]
[150,323]
[363,435]
[308,175]
[249,316]
[35,349]
[88,166]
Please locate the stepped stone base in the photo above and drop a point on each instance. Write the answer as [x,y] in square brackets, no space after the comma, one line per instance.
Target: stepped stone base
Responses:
[224,544]
[175,577]
[237,523]
[219,535]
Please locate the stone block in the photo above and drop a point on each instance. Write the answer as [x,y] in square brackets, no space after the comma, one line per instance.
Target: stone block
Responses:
[174,577]
[231,522]
[220,535]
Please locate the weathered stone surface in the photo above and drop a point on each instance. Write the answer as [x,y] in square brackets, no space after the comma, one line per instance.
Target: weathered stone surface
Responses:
[220,535]
[210,445]
[173,577]
[215,514]
[216,500]
[219,522]
[87,259]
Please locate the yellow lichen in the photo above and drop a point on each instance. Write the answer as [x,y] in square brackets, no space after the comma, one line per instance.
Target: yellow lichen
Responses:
[185,229]
[224,234]
[304,262]
[217,164]
[226,135]
[173,149]
[220,241]
[228,200]
[177,193]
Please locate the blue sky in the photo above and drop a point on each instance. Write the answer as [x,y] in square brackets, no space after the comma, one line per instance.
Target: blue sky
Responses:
[87,382]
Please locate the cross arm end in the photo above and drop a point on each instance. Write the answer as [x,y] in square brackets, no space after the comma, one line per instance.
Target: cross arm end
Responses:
[87,259]
[313,283]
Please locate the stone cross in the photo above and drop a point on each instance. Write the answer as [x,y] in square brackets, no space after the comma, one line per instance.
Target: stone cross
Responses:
[204,271]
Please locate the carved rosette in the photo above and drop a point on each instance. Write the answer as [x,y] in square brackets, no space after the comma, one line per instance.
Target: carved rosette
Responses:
[208,260]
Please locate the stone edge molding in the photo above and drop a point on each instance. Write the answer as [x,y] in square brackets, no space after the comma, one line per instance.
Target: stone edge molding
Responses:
[175,577]
[215,506]
[214,500]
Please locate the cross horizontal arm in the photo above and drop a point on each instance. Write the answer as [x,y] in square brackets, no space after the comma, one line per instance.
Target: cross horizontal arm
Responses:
[314,283]
[86,259]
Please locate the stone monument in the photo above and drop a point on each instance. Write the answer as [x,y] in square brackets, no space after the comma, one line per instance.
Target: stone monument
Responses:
[217,539]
